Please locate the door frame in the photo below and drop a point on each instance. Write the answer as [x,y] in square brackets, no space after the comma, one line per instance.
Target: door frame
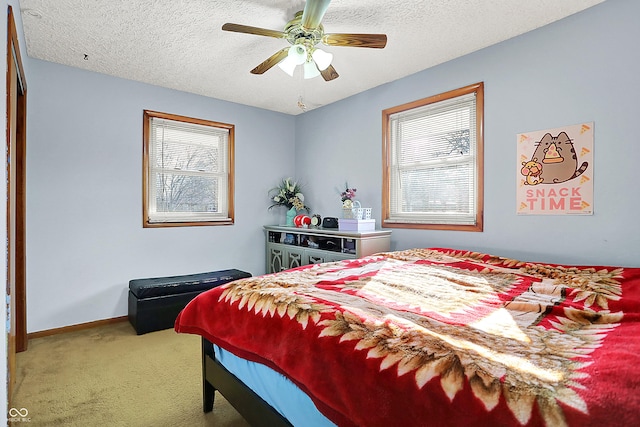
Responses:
[16,199]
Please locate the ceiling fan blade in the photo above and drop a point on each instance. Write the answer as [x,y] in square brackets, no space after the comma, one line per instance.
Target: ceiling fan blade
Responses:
[313,13]
[238,28]
[376,41]
[271,61]
[329,73]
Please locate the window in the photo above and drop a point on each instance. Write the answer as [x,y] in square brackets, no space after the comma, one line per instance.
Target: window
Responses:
[433,162]
[188,171]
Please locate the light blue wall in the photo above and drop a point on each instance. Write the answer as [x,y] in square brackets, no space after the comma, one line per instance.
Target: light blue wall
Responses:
[85,239]
[583,68]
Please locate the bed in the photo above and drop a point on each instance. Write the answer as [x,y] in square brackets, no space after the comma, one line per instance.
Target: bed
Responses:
[430,337]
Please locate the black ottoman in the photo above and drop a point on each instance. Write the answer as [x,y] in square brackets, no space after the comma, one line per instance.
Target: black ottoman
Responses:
[155,303]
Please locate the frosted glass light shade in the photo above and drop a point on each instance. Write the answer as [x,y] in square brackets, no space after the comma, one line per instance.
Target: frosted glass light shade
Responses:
[288,65]
[310,70]
[323,59]
[298,53]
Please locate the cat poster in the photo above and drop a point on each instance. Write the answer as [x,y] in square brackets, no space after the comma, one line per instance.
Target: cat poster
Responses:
[555,171]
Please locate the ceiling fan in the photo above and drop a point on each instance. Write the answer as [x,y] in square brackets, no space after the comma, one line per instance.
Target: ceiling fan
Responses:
[304,32]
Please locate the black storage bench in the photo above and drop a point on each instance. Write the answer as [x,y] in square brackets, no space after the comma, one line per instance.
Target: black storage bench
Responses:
[155,303]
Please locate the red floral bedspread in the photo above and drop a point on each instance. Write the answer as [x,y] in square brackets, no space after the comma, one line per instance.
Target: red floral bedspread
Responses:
[440,337]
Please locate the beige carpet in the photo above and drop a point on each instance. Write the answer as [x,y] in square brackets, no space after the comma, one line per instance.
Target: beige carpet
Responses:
[109,376]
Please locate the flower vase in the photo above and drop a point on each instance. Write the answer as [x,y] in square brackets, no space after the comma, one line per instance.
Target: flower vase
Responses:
[291,214]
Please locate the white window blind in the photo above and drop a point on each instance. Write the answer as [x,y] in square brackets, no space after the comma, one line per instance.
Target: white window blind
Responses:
[188,172]
[433,171]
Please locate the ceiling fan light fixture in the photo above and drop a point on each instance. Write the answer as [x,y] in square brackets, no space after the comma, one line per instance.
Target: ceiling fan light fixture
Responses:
[310,70]
[304,32]
[298,53]
[323,59]
[288,65]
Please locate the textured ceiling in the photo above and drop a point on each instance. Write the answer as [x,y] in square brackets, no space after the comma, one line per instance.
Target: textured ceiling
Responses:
[179,44]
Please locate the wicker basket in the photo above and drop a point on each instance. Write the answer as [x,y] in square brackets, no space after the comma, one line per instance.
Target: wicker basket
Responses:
[356,212]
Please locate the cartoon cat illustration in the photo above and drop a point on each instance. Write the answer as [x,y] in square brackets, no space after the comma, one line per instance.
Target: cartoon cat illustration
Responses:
[559,159]
[532,170]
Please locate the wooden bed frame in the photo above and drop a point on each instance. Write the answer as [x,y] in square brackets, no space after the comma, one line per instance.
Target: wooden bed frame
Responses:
[252,407]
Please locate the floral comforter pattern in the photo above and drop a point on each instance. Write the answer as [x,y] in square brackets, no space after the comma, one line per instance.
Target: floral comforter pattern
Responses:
[440,337]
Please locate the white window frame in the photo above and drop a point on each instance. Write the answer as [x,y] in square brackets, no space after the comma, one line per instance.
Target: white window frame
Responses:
[471,97]
[224,171]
